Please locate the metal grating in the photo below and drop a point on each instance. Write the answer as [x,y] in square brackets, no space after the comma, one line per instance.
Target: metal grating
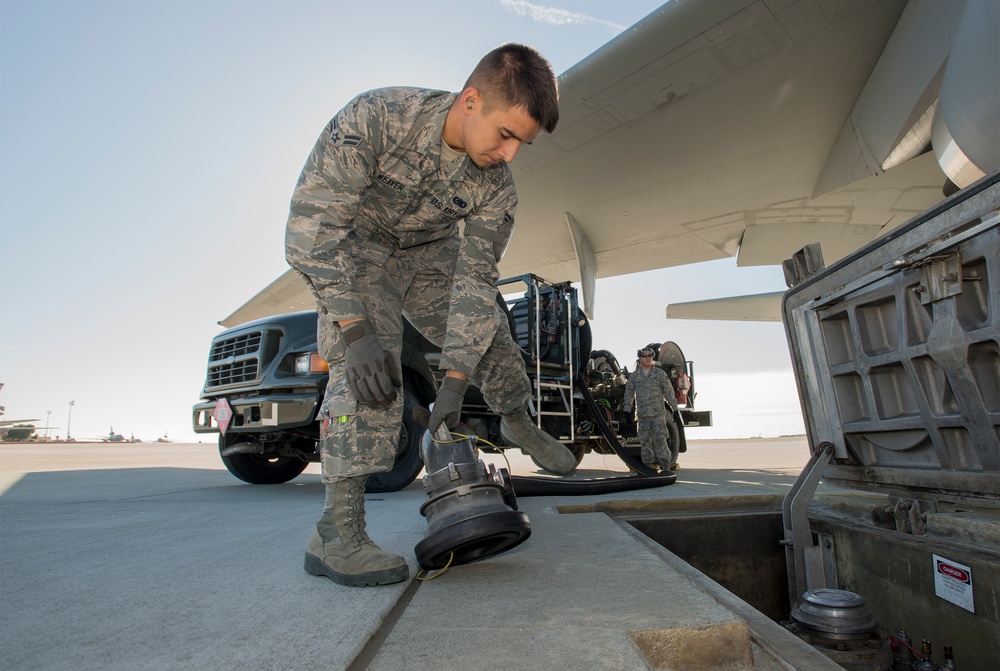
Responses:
[234,360]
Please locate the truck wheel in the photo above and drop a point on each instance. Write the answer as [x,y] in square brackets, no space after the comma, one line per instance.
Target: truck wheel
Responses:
[260,469]
[673,442]
[408,461]
[682,436]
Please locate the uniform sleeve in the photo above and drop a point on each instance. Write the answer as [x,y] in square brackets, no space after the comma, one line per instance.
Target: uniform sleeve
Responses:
[325,202]
[472,320]
[630,389]
[668,392]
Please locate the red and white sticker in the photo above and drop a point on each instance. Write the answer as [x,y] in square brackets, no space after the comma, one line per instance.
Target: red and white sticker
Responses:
[953,582]
[223,415]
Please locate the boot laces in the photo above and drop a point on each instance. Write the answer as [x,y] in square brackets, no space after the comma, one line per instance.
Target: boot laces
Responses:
[356,512]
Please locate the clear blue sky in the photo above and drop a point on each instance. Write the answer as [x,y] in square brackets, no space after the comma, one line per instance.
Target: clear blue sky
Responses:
[147,155]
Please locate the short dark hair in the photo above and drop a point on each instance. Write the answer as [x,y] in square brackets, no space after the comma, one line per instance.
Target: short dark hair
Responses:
[515,75]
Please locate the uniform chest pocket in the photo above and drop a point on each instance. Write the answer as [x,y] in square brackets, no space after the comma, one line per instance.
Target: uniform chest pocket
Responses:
[395,184]
[391,194]
[435,216]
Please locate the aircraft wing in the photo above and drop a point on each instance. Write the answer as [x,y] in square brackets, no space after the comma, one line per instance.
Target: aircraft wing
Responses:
[286,294]
[755,307]
[720,128]
[15,422]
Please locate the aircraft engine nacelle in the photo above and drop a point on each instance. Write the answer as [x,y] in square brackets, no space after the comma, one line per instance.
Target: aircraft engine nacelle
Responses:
[965,133]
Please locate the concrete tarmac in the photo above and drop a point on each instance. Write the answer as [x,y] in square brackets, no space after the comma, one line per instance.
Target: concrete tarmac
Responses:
[152,556]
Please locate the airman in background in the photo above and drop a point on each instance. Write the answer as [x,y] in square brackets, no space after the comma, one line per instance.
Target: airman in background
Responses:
[650,388]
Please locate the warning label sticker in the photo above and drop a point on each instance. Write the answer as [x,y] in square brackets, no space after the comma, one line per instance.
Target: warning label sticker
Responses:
[953,582]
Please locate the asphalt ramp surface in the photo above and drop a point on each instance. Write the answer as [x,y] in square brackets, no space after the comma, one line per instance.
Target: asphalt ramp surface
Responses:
[157,558]
[164,568]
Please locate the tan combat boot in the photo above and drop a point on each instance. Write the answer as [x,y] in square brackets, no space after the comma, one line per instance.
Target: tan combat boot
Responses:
[340,548]
[518,429]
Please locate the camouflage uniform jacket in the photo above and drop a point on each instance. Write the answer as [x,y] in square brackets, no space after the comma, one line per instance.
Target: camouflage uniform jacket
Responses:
[373,184]
[649,391]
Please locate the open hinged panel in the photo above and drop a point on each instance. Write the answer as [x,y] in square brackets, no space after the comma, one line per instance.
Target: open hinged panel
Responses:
[896,350]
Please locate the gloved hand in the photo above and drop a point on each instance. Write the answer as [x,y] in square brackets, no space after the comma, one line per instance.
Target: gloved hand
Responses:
[447,407]
[627,408]
[372,373]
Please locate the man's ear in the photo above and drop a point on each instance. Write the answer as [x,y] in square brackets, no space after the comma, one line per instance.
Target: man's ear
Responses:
[470,99]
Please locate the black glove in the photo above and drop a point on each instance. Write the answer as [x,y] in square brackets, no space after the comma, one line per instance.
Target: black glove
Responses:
[372,373]
[447,407]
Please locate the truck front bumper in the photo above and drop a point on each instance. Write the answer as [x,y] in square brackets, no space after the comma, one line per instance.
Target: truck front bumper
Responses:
[258,413]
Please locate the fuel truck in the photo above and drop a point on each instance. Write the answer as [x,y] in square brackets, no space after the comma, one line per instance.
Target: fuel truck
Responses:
[265,382]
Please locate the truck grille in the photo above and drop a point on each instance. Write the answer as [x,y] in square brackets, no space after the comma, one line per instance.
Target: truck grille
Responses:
[234,360]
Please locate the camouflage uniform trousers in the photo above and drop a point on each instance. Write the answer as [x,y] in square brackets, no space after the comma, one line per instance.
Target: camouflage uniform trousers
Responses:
[654,437]
[415,282]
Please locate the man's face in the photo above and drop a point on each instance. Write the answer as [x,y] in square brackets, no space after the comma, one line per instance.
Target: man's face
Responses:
[497,135]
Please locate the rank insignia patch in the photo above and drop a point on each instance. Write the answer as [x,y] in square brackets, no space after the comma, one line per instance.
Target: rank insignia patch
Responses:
[338,139]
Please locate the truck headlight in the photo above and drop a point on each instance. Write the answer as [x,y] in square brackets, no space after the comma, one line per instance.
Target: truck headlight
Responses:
[310,363]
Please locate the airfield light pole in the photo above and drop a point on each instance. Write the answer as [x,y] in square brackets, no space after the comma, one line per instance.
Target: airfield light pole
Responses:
[68,419]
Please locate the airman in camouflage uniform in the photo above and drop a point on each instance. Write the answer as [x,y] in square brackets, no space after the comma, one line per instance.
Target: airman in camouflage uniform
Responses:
[650,386]
[374,231]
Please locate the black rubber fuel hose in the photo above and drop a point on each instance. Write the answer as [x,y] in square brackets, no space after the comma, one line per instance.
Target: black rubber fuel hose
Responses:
[525,485]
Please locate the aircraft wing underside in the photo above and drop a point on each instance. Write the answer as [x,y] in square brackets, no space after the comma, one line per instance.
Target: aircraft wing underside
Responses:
[721,128]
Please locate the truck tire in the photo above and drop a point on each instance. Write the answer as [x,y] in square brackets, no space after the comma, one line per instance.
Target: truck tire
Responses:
[676,443]
[258,469]
[673,442]
[408,462]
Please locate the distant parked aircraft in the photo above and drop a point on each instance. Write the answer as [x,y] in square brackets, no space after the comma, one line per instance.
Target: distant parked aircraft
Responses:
[12,422]
[112,437]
